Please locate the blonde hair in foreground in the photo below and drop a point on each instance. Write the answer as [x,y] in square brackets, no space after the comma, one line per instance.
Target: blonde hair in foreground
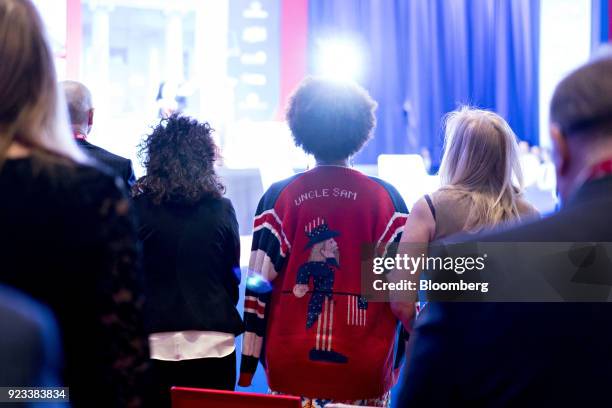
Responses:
[481,160]
[32,111]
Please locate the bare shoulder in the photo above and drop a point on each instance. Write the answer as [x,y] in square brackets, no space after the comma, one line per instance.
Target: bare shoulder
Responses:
[527,210]
[420,224]
[421,210]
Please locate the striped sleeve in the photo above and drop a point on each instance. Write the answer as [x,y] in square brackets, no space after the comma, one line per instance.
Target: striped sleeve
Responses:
[396,219]
[395,228]
[393,234]
[269,252]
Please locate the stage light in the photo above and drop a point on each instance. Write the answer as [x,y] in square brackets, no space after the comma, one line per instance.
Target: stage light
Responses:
[339,59]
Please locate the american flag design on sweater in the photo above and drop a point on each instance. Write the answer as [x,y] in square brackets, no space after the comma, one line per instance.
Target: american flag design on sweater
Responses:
[305,317]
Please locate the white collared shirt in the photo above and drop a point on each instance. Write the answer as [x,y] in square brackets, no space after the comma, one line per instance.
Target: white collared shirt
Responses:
[189,345]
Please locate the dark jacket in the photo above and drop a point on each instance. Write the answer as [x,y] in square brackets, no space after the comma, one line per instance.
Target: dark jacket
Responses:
[68,240]
[30,352]
[119,165]
[191,264]
[519,354]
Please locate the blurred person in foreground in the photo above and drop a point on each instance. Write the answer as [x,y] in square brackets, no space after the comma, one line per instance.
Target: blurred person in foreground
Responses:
[533,354]
[67,235]
[323,340]
[191,259]
[81,113]
[481,188]
[30,352]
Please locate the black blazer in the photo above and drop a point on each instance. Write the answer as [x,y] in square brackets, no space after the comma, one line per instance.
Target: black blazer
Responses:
[191,265]
[119,165]
[519,354]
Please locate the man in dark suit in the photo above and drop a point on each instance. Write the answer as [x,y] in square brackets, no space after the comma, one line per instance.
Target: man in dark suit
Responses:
[81,113]
[29,343]
[533,354]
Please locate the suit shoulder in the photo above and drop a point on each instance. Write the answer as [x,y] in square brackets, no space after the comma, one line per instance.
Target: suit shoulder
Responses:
[545,229]
[104,155]
[113,156]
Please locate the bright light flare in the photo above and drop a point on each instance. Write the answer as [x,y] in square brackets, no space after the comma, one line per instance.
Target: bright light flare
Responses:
[339,59]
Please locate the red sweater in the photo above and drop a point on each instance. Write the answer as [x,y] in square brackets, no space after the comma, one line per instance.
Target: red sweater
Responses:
[322,338]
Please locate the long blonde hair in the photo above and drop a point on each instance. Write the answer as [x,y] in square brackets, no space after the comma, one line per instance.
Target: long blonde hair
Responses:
[481,160]
[32,111]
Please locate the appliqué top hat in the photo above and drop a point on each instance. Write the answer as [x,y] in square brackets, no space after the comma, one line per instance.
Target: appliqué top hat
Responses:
[318,231]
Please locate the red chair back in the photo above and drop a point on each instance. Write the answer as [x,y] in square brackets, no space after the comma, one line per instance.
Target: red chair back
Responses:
[183,397]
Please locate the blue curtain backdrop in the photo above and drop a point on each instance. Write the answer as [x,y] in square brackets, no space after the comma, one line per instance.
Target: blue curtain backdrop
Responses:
[426,58]
[600,16]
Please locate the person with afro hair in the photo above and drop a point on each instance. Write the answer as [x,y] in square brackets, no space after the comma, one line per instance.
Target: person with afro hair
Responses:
[324,341]
[332,120]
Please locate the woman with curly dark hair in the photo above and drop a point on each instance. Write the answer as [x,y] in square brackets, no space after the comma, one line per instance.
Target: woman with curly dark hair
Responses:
[323,340]
[191,259]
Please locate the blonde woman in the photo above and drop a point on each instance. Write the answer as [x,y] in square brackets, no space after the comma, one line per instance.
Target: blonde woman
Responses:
[67,239]
[481,182]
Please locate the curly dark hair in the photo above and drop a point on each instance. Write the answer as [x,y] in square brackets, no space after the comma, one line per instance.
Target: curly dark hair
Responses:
[330,119]
[179,156]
